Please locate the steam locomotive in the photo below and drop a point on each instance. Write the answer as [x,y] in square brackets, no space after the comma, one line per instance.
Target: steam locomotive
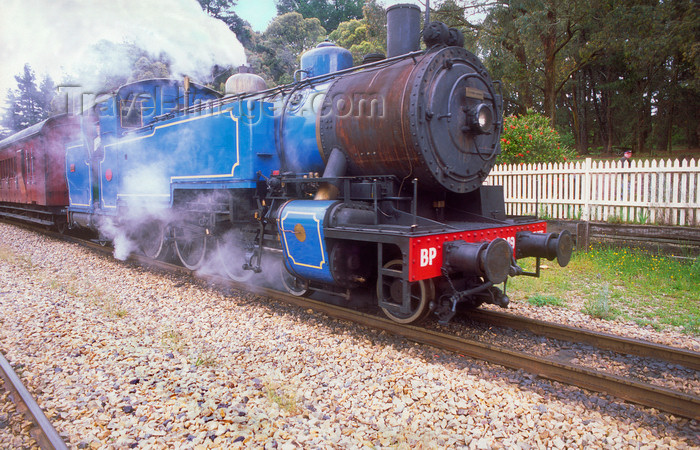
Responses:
[366,177]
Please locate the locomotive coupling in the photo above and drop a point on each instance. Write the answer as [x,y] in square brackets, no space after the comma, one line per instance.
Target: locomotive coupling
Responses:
[545,245]
[490,260]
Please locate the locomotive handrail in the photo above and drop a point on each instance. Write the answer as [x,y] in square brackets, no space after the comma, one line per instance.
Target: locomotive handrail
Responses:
[295,86]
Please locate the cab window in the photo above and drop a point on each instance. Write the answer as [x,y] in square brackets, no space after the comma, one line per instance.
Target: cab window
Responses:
[131,113]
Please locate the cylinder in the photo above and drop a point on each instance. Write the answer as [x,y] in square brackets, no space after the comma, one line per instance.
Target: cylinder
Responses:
[402,29]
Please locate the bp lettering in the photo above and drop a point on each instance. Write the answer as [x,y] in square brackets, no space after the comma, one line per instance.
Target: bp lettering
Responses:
[427,255]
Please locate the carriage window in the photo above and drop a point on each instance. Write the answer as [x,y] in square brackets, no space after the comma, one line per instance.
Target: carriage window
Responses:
[131,113]
[7,168]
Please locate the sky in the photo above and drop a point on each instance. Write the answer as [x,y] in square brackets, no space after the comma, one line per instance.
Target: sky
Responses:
[57,37]
[259,13]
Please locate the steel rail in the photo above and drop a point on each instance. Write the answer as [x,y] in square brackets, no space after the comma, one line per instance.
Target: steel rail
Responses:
[675,402]
[45,434]
[679,403]
[600,340]
[668,400]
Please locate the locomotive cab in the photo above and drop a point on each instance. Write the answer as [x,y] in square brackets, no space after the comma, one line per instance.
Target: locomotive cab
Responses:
[97,163]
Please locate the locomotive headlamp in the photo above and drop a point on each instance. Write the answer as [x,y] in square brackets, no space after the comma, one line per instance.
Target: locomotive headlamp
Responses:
[480,119]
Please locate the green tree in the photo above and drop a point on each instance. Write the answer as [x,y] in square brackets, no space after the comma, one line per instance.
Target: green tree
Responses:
[330,12]
[367,35]
[639,89]
[28,103]
[536,35]
[144,69]
[110,65]
[279,48]
[223,10]
[614,74]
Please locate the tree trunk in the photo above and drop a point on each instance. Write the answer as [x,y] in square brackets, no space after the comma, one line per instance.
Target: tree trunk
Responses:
[549,45]
[527,97]
[643,128]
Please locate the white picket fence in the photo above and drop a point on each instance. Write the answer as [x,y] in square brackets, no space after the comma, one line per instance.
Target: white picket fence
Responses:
[652,192]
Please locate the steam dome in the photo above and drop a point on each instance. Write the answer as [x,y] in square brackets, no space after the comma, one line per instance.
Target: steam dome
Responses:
[325,58]
[244,83]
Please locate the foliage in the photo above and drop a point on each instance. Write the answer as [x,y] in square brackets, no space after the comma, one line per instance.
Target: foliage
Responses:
[330,13]
[599,306]
[294,33]
[275,54]
[223,10]
[545,300]
[367,35]
[530,139]
[529,39]
[628,284]
[110,65]
[605,73]
[28,103]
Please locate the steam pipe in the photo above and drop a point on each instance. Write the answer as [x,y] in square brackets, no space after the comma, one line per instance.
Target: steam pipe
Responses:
[335,167]
[186,84]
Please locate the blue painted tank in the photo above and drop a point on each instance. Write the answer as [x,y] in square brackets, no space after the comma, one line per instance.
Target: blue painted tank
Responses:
[301,225]
[324,59]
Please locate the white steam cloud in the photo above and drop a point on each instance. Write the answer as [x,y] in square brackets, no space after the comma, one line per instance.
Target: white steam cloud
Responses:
[57,37]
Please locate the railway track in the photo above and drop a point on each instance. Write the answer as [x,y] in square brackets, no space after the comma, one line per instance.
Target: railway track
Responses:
[664,399]
[45,434]
[668,400]
[599,340]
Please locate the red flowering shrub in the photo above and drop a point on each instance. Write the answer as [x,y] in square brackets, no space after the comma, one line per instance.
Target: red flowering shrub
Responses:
[530,139]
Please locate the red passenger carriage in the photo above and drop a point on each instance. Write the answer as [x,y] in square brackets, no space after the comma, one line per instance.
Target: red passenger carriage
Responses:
[32,171]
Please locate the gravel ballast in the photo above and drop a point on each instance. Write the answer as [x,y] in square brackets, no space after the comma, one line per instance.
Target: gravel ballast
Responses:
[121,357]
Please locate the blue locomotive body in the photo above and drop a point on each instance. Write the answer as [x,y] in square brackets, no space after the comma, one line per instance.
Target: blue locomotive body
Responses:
[364,177]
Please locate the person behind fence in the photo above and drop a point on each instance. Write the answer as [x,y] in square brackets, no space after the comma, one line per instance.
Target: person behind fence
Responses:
[626,157]
[625,161]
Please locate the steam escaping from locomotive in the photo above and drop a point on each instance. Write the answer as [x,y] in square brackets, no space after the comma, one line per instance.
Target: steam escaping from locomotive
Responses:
[351,179]
[68,33]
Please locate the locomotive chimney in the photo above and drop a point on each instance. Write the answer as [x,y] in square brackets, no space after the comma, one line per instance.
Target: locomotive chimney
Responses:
[402,29]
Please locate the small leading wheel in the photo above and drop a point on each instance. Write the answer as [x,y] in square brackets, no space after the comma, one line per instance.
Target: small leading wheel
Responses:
[152,240]
[390,290]
[232,258]
[191,247]
[293,285]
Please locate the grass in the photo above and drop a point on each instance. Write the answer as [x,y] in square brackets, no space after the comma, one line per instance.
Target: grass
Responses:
[69,283]
[172,339]
[608,283]
[546,300]
[205,359]
[7,255]
[285,400]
